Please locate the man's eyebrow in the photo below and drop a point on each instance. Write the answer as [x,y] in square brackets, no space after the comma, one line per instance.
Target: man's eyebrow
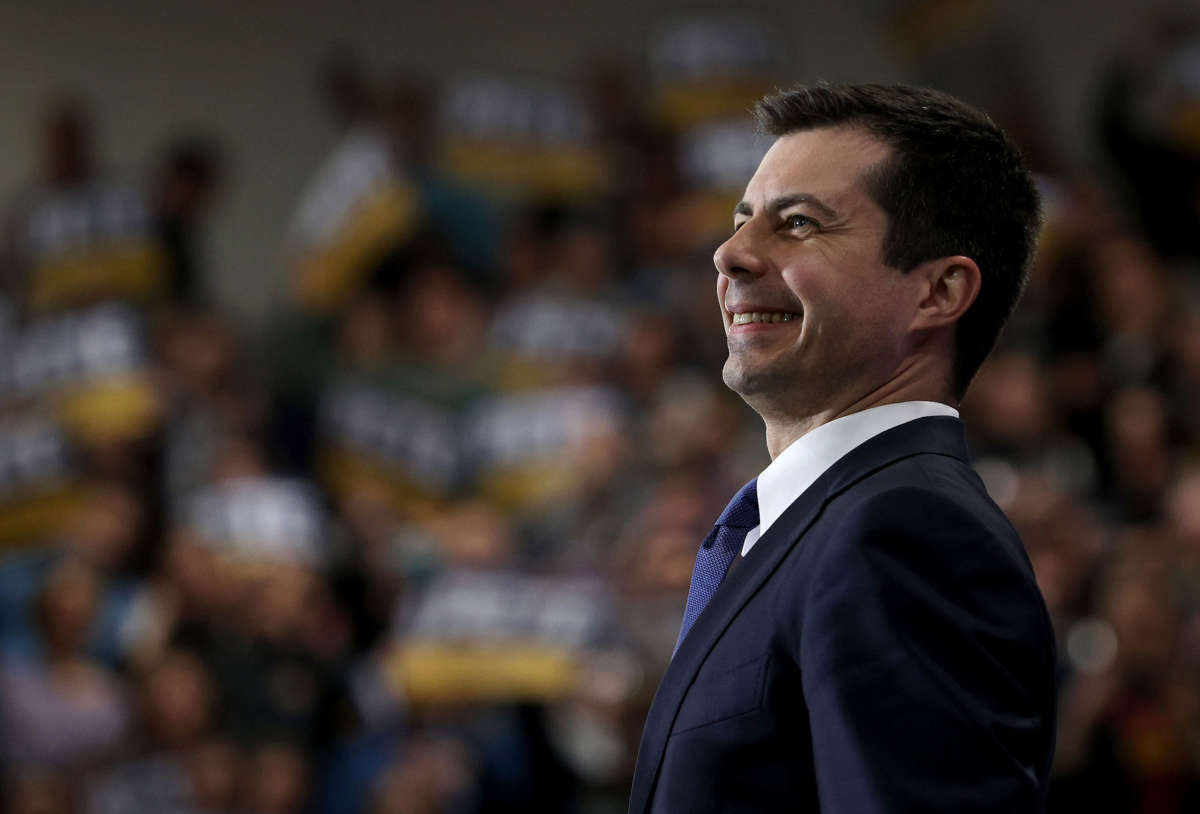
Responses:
[786,201]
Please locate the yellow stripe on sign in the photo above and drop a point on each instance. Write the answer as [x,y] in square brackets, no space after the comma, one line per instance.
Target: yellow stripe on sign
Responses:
[531,483]
[126,406]
[133,271]
[923,25]
[515,169]
[711,213]
[346,472]
[437,672]
[686,105]
[328,276]
[28,520]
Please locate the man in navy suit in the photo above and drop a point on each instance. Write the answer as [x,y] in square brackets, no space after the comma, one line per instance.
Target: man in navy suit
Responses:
[863,631]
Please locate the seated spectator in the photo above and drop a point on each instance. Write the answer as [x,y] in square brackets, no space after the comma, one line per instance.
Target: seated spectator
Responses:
[62,709]
[177,759]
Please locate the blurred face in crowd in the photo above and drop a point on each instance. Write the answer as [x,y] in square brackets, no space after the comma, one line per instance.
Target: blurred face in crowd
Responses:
[66,144]
[1131,289]
[280,779]
[443,315]
[178,699]
[1008,402]
[586,262]
[278,598]
[213,774]
[67,606]
[199,350]
[1138,606]
[1183,509]
[36,790]
[474,535]
[815,321]
[105,527]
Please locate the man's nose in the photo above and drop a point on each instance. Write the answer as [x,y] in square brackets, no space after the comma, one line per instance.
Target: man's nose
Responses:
[739,256]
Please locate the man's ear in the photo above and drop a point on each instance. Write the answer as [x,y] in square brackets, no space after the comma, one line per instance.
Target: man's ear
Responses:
[951,284]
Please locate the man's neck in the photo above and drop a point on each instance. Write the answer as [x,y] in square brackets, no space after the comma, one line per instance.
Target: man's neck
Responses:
[782,430]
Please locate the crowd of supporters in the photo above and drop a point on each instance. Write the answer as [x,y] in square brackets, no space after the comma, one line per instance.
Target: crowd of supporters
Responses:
[422,543]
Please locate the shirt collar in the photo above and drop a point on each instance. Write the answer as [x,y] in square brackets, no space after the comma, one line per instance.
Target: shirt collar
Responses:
[807,458]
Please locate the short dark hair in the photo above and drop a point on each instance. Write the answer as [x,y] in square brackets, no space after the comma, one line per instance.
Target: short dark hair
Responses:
[954,184]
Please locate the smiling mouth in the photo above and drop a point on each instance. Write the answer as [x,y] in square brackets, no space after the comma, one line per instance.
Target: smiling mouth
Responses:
[763,316]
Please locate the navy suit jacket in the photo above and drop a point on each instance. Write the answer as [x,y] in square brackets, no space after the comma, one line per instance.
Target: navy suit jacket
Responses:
[882,648]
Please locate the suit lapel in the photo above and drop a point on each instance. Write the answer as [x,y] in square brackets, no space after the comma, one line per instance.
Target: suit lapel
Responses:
[939,435]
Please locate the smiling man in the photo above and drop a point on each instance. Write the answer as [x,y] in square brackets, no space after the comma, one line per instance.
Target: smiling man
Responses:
[863,632]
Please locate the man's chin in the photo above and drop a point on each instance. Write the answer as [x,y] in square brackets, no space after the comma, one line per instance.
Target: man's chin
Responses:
[743,380]
[764,387]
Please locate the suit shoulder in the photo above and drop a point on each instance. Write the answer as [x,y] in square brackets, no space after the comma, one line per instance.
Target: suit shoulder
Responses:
[930,509]
[921,606]
[907,538]
[935,495]
[926,472]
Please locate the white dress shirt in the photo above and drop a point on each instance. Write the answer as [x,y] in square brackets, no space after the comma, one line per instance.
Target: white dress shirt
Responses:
[807,458]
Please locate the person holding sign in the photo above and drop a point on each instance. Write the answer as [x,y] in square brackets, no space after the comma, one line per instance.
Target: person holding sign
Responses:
[78,236]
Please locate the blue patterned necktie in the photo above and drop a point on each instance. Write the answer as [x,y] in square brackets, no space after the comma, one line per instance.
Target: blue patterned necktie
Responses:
[717,552]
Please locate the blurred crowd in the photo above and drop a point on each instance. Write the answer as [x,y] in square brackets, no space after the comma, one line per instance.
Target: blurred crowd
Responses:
[422,543]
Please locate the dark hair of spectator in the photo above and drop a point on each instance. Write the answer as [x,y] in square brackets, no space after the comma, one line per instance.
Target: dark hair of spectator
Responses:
[195,157]
[954,184]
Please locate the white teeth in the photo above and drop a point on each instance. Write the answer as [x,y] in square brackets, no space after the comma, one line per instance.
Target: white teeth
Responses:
[762,316]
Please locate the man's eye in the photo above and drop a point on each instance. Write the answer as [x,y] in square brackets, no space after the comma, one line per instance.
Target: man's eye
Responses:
[798,221]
